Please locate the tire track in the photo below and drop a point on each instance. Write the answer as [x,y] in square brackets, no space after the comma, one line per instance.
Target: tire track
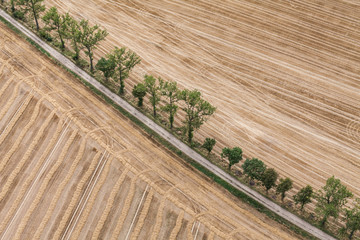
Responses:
[41,191]
[59,190]
[84,213]
[60,227]
[143,214]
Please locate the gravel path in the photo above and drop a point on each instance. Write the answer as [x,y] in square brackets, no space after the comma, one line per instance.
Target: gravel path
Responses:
[166,135]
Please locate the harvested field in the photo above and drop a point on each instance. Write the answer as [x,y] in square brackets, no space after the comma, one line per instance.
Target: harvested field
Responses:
[284,74]
[74,168]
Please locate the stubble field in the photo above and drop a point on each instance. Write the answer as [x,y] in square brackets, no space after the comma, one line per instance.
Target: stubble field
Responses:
[284,74]
[71,167]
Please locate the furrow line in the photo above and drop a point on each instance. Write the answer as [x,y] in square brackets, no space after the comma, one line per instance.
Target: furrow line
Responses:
[143,214]
[29,180]
[26,156]
[89,203]
[109,205]
[177,227]
[60,189]
[76,195]
[22,134]
[44,185]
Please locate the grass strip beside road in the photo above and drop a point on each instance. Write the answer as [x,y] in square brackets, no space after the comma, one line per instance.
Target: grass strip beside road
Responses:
[236,192]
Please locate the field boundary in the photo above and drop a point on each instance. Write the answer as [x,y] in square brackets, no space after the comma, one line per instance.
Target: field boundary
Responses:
[238,189]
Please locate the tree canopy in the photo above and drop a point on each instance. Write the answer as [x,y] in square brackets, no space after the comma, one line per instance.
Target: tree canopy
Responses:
[153,88]
[269,179]
[234,155]
[284,186]
[209,144]
[197,110]
[171,92]
[304,196]
[107,67]
[90,37]
[254,168]
[331,199]
[34,7]
[139,91]
[352,219]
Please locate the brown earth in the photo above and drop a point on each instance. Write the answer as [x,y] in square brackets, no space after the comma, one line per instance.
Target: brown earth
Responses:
[72,167]
[284,74]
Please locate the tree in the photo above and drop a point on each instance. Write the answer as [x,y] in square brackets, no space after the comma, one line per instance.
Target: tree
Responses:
[170,91]
[352,219]
[304,196]
[254,168]
[234,155]
[331,199]
[74,34]
[107,67]
[90,37]
[153,89]
[60,23]
[139,91]
[35,7]
[284,186]
[269,179]
[197,110]
[209,144]
[125,61]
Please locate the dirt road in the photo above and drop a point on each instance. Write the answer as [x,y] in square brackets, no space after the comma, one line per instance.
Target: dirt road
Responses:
[72,167]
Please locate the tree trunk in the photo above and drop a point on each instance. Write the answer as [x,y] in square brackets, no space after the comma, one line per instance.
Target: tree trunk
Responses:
[351,234]
[323,221]
[190,133]
[154,106]
[140,102]
[12,6]
[122,84]
[91,63]
[171,120]
[36,20]
[61,40]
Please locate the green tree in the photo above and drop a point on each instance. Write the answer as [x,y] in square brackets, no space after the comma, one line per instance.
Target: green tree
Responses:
[35,7]
[331,199]
[125,61]
[352,219]
[107,67]
[139,91]
[60,23]
[74,34]
[269,179]
[234,155]
[284,186]
[90,37]
[197,110]
[12,4]
[153,88]
[304,196]
[171,92]
[254,168]
[209,144]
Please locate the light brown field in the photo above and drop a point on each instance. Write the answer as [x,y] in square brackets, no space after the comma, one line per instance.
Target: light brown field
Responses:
[71,167]
[284,74]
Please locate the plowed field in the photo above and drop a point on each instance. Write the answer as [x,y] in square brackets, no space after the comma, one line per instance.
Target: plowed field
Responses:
[284,74]
[71,167]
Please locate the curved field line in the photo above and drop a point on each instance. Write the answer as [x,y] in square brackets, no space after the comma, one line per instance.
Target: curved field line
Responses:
[15,118]
[26,156]
[109,205]
[88,205]
[22,134]
[60,227]
[126,207]
[32,175]
[44,185]
[59,190]
[177,227]
[143,214]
